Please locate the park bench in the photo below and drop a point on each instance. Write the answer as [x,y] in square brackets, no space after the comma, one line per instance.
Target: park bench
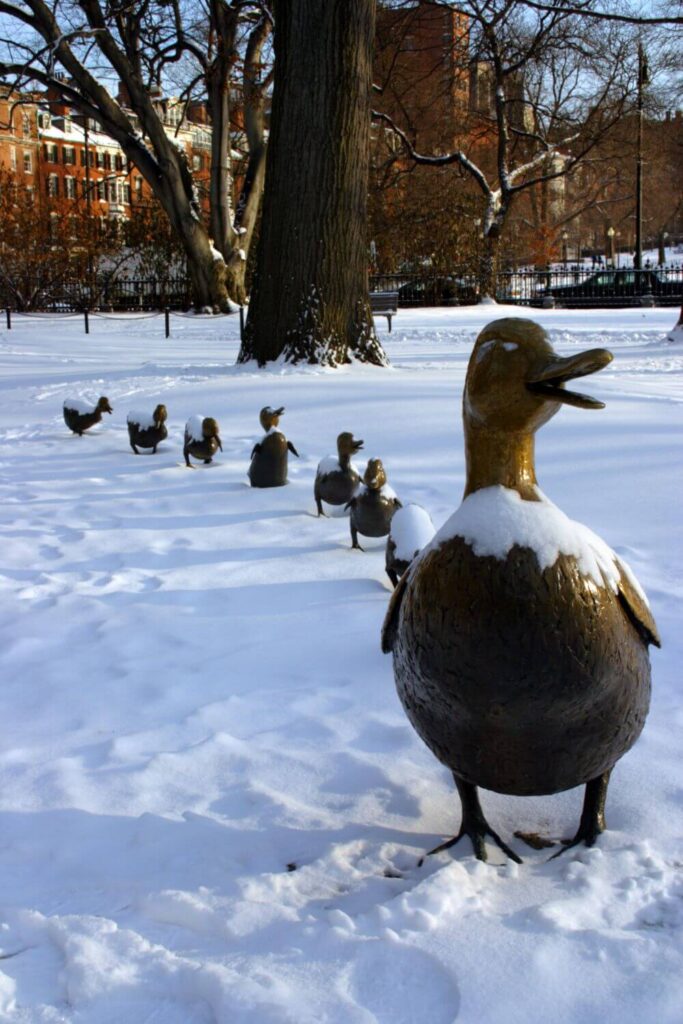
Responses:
[384,304]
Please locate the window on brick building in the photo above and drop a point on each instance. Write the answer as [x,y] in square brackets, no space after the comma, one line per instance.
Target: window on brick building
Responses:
[69,154]
[13,157]
[26,124]
[43,119]
[99,159]
[52,185]
[196,162]
[28,161]
[126,193]
[70,188]
[100,190]
[54,226]
[138,187]
[118,161]
[50,151]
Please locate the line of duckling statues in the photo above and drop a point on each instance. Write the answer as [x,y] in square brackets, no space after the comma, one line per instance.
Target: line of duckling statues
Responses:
[519,639]
[375,510]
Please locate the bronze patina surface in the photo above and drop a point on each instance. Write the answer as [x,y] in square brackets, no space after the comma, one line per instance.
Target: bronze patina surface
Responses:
[207,447]
[371,510]
[149,437]
[520,679]
[338,486]
[269,457]
[80,421]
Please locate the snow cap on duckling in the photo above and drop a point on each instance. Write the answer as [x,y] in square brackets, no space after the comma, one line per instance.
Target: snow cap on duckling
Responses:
[202,439]
[411,530]
[147,430]
[80,415]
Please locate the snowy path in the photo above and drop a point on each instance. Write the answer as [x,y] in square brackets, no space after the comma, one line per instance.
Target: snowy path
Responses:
[212,805]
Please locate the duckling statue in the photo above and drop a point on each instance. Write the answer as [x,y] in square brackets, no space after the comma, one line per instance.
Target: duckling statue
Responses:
[337,479]
[268,466]
[202,439]
[411,530]
[374,505]
[519,639]
[80,416]
[145,431]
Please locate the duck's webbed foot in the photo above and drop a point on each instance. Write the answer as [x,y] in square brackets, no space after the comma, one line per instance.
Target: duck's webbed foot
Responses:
[474,825]
[592,816]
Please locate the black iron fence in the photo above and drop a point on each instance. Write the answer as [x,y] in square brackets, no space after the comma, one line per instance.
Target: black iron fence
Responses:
[102,292]
[561,285]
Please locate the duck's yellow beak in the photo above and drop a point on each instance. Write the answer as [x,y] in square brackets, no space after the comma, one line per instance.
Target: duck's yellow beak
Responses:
[549,381]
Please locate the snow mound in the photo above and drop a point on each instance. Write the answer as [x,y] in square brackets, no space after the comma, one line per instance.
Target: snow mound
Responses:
[411,530]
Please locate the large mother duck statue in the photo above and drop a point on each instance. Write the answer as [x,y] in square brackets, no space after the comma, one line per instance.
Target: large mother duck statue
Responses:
[519,639]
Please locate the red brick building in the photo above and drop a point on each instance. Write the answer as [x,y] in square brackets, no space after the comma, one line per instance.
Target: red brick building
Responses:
[57,153]
[421,69]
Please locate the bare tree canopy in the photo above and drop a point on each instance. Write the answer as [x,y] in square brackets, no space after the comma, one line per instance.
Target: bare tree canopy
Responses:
[546,88]
[73,48]
[620,13]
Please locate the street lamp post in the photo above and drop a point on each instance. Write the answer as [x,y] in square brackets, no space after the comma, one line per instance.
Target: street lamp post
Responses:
[565,239]
[643,80]
[610,235]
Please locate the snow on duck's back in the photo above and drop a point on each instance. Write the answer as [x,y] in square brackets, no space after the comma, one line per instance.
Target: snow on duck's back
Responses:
[144,420]
[496,519]
[147,430]
[194,428]
[79,406]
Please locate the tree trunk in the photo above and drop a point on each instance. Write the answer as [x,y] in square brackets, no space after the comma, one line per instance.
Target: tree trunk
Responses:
[310,297]
[488,260]
[206,267]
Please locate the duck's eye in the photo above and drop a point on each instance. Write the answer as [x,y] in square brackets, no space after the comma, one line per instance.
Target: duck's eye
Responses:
[485,349]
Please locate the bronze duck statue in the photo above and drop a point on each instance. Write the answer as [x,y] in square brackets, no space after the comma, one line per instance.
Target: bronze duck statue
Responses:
[373,506]
[145,431]
[202,439]
[268,467]
[337,479]
[80,416]
[519,638]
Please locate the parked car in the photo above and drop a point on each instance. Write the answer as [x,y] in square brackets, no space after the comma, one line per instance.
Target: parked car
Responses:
[437,291]
[620,284]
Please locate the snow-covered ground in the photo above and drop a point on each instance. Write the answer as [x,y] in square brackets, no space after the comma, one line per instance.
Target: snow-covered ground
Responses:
[211,804]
